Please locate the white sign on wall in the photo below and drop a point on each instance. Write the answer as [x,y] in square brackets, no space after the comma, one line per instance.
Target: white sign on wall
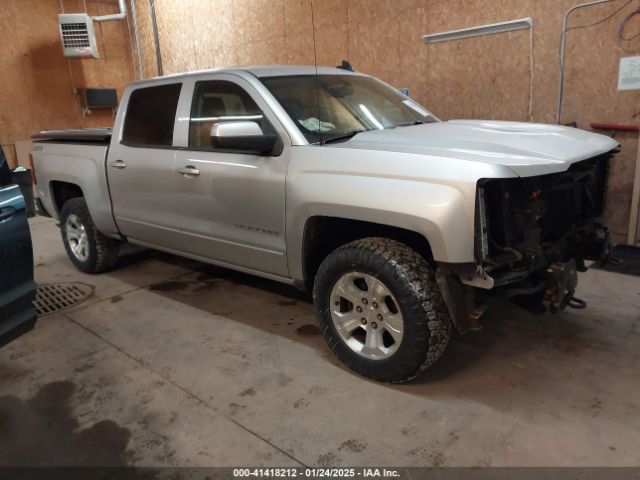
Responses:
[629,77]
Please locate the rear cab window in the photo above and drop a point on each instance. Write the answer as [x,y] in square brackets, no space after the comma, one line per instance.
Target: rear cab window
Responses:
[150,116]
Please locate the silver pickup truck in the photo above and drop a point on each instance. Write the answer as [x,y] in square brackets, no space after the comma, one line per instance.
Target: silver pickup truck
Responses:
[402,225]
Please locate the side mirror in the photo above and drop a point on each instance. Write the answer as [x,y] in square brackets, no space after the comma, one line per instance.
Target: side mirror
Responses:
[245,137]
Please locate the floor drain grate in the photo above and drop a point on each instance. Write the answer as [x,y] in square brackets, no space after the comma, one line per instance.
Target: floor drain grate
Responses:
[54,297]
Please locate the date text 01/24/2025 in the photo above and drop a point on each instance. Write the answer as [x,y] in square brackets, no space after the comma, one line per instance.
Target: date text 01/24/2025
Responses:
[315,472]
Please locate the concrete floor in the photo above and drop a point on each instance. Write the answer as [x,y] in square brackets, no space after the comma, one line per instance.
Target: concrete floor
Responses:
[173,362]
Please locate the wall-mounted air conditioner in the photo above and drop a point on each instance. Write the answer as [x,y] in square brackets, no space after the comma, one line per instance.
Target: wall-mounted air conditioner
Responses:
[77,34]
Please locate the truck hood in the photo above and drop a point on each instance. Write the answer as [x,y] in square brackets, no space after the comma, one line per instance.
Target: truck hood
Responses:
[526,148]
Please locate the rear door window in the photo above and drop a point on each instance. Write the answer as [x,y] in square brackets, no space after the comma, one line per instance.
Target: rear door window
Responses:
[150,116]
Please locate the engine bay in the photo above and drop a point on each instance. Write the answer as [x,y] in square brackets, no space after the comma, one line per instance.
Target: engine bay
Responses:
[534,234]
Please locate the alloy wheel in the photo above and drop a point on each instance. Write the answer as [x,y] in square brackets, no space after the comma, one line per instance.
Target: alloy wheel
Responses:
[366,315]
[77,237]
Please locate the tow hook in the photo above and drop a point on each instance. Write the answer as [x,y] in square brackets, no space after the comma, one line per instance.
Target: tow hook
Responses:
[562,280]
[568,301]
[577,303]
[614,261]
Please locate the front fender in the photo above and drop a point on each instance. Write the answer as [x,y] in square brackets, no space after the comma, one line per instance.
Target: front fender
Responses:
[443,214]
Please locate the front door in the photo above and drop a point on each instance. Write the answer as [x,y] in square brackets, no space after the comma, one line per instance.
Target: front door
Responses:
[17,288]
[140,167]
[232,203]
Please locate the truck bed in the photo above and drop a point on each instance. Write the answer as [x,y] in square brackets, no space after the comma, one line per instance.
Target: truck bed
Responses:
[76,160]
[93,135]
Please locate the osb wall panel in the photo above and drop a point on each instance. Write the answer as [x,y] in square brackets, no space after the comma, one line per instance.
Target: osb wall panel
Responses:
[378,36]
[114,68]
[382,41]
[147,45]
[489,77]
[37,88]
[472,84]
[591,95]
[36,91]
[486,77]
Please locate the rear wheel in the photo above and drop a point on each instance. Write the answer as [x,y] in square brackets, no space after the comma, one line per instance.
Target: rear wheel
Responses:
[380,309]
[88,249]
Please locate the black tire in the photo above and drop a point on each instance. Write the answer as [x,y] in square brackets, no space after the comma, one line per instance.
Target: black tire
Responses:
[102,250]
[411,280]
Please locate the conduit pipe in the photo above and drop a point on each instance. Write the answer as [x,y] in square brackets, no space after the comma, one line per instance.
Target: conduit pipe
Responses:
[114,16]
[563,39]
[156,38]
[136,35]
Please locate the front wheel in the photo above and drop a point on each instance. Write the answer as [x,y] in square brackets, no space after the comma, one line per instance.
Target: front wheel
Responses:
[88,249]
[380,309]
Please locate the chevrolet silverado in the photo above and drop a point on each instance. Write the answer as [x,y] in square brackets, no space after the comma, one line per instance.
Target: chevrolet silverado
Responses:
[403,226]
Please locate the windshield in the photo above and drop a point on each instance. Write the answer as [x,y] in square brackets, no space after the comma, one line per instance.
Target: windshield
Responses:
[332,107]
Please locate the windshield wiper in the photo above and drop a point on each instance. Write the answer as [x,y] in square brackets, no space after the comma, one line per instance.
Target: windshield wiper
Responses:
[343,137]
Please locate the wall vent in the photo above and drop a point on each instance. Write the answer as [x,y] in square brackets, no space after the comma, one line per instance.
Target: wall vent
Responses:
[77,35]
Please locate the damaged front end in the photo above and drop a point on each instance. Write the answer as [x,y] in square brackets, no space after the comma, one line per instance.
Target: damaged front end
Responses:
[533,235]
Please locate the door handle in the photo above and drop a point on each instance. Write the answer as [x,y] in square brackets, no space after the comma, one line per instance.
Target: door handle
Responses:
[189,171]
[6,213]
[118,164]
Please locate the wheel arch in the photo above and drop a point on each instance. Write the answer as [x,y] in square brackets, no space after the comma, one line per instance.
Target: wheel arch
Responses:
[323,234]
[62,192]
[440,214]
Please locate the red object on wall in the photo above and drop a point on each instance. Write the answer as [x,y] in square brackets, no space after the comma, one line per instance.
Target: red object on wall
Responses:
[615,126]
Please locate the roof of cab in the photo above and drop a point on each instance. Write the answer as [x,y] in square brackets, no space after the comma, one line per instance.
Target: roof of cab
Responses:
[261,71]
[282,70]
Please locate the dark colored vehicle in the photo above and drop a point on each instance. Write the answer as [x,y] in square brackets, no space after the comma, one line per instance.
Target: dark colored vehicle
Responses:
[17,288]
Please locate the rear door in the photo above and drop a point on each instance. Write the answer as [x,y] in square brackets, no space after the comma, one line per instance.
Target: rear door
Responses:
[140,166]
[17,288]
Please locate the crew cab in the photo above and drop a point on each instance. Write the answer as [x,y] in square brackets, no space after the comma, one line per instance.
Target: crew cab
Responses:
[402,225]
